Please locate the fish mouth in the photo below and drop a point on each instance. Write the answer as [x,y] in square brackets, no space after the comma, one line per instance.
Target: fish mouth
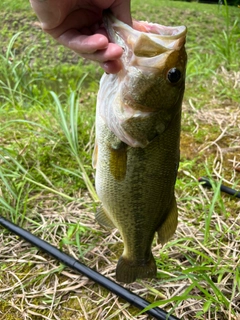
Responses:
[165,31]
[144,39]
[146,96]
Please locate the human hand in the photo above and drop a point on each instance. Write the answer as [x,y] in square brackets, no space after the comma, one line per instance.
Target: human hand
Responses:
[77,24]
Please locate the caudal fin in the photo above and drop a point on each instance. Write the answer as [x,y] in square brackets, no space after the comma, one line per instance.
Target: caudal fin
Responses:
[128,272]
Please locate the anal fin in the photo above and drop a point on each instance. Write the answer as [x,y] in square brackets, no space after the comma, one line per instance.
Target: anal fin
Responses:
[103,219]
[168,227]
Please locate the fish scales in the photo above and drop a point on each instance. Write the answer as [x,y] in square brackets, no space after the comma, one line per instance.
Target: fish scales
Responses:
[136,152]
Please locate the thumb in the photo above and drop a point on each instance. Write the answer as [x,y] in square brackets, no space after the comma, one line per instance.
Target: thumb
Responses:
[122,11]
[50,13]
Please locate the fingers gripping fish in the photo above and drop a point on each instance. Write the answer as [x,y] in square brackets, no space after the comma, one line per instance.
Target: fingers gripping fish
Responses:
[136,151]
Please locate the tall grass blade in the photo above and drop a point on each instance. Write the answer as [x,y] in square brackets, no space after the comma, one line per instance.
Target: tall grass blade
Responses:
[70,130]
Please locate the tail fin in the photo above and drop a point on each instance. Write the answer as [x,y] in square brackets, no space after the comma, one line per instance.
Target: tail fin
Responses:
[128,272]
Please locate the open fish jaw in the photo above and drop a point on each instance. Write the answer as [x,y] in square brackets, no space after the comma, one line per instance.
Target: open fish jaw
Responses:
[134,92]
[157,38]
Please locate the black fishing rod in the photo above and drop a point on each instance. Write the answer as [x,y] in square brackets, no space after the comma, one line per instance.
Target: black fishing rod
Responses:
[223,188]
[73,263]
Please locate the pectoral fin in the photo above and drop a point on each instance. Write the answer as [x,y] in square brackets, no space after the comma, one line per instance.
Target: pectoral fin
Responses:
[118,160]
[168,227]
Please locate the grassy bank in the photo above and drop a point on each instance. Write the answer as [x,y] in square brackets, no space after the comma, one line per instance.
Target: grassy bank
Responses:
[47,106]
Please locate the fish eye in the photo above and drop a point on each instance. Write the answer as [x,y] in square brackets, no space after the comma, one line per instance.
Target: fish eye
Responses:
[174,75]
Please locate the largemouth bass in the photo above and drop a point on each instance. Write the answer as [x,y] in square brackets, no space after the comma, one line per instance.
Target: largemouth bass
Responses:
[136,151]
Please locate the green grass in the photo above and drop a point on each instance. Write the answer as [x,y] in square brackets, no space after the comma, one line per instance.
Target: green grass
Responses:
[47,113]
